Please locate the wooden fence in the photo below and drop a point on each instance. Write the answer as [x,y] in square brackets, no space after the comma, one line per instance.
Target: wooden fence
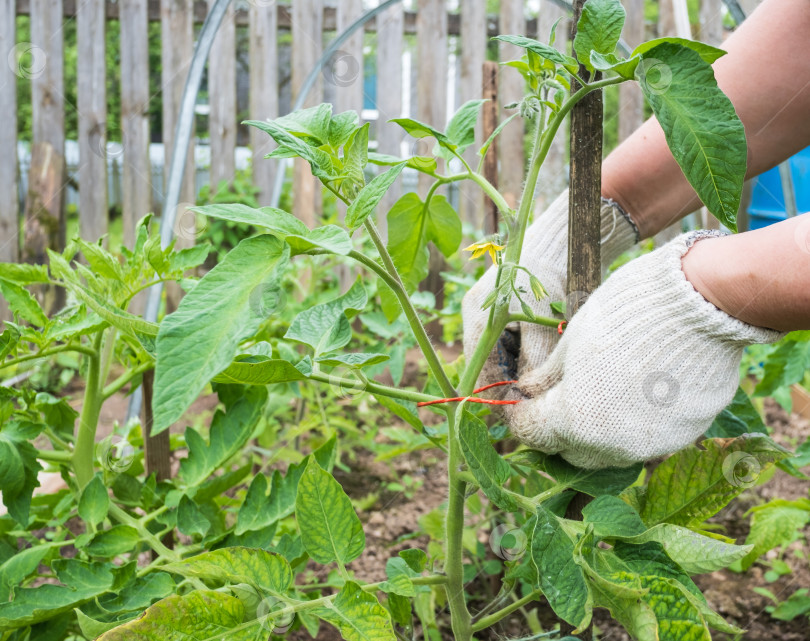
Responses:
[448,46]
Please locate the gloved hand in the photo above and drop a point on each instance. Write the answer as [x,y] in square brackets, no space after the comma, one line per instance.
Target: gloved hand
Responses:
[545,251]
[642,369]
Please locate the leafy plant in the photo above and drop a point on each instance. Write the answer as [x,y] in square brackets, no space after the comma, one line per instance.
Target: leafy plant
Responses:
[237,569]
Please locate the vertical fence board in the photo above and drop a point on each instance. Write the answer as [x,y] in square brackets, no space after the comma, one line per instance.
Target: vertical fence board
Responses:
[489,118]
[473,55]
[263,91]
[345,69]
[554,172]
[137,172]
[345,72]
[9,211]
[91,24]
[48,101]
[431,108]
[222,99]
[511,89]
[431,91]
[176,50]
[389,97]
[307,29]
[631,101]
[666,18]
[711,22]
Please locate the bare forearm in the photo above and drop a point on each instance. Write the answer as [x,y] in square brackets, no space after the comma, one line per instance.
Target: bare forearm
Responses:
[767,78]
[761,277]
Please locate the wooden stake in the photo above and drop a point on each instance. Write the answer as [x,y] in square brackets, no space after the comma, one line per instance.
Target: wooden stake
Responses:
[490,122]
[584,220]
[157,451]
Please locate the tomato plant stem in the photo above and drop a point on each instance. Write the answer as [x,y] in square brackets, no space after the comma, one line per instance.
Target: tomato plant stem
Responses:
[460,619]
[81,349]
[125,378]
[88,419]
[374,388]
[493,618]
[153,541]
[410,313]
[54,456]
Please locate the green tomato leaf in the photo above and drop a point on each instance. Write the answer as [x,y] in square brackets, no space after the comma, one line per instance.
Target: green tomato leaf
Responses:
[694,552]
[16,569]
[420,163]
[263,570]
[490,470]
[190,518]
[786,365]
[542,50]
[119,539]
[260,510]
[24,273]
[421,130]
[21,302]
[774,524]
[357,615]
[283,226]
[610,480]
[18,471]
[461,128]
[739,418]
[330,529]
[200,615]
[8,340]
[94,501]
[325,327]
[370,196]
[561,579]
[260,370]
[228,433]
[694,484]
[483,151]
[355,155]
[82,582]
[612,517]
[609,62]
[353,360]
[341,128]
[598,29]
[200,339]
[411,226]
[707,53]
[310,123]
[319,161]
[700,125]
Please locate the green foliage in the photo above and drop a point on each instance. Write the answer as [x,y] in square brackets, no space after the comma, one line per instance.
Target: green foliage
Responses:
[257,498]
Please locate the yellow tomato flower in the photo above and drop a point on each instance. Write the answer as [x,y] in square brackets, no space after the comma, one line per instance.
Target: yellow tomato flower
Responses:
[484,247]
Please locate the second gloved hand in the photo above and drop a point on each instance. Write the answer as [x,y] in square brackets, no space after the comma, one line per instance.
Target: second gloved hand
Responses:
[641,371]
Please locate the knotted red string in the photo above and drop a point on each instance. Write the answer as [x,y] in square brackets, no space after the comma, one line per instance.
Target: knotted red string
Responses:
[473,399]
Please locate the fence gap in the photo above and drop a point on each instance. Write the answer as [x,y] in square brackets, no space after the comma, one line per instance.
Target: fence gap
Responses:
[263,94]
[91,27]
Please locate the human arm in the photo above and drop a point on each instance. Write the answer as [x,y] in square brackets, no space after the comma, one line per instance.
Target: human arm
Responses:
[761,277]
[767,78]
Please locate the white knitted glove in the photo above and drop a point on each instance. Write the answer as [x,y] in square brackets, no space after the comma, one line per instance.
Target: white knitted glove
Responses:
[642,369]
[544,254]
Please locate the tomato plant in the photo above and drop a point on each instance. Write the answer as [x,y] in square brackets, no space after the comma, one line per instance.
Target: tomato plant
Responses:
[234,572]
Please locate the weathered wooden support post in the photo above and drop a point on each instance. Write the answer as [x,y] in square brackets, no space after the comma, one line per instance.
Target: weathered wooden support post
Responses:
[584,218]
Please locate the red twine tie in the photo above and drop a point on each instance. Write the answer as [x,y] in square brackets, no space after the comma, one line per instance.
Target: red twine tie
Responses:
[473,399]
[560,326]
